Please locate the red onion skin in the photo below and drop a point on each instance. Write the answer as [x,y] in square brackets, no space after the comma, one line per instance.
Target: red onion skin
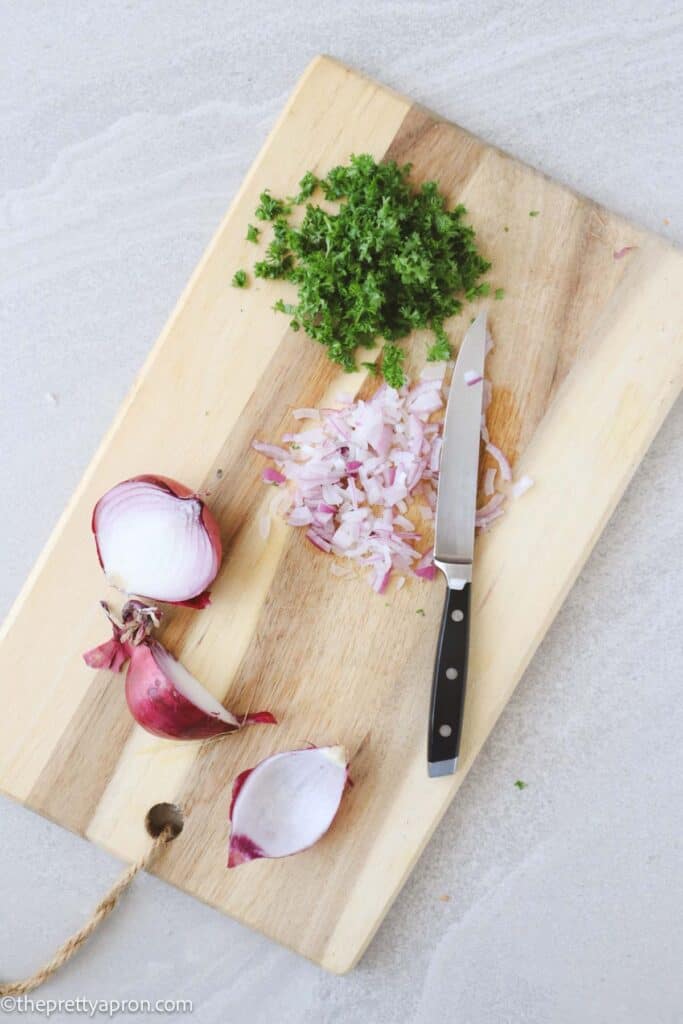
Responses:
[110,655]
[242,850]
[202,600]
[161,709]
[236,787]
[208,521]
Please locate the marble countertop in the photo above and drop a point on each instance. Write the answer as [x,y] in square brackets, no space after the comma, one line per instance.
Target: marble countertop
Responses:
[126,129]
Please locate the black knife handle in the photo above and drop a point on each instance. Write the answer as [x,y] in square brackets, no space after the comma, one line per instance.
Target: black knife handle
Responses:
[450,678]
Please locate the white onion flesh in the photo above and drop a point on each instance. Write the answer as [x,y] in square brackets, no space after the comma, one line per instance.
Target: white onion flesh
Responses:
[190,688]
[286,803]
[155,543]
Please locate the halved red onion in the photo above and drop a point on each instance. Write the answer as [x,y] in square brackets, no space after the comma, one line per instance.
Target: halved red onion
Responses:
[286,803]
[156,538]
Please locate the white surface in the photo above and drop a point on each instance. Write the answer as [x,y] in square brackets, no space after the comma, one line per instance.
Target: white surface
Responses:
[125,131]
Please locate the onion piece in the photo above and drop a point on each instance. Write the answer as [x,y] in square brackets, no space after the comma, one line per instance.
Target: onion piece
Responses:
[162,695]
[305,414]
[157,539]
[286,803]
[166,699]
[491,505]
[504,465]
[521,486]
[271,476]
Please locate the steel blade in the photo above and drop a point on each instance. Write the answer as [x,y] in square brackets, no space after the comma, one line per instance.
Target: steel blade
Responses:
[457,493]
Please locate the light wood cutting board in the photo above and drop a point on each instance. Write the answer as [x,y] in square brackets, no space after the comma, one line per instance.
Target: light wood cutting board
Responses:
[589,359]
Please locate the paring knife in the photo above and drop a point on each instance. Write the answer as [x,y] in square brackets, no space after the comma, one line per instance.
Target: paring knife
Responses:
[454,547]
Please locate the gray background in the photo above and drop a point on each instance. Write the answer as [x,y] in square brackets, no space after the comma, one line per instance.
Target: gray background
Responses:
[126,129]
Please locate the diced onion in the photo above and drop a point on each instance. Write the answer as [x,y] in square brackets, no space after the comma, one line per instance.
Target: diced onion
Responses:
[363,480]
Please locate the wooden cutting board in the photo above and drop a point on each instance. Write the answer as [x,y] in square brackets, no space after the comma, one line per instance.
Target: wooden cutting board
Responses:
[589,359]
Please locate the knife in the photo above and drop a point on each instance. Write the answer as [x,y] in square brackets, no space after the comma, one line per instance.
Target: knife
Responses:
[454,547]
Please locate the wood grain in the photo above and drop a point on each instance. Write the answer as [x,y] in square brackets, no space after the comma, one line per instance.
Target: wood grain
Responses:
[589,358]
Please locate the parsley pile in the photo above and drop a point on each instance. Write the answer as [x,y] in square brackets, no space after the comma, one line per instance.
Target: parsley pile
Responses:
[391,259]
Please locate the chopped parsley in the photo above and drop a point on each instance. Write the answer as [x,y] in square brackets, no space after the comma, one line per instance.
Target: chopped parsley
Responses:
[420,611]
[520,785]
[252,233]
[392,365]
[441,349]
[284,307]
[506,228]
[239,279]
[534,213]
[372,368]
[393,258]
[478,289]
[269,208]
[499,294]
[307,187]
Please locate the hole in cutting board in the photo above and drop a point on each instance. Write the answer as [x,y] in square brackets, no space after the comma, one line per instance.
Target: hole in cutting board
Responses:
[163,816]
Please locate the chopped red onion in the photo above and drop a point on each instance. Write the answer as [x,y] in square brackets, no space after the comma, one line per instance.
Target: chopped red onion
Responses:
[521,486]
[354,480]
[271,476]
[503,463]
[620,253]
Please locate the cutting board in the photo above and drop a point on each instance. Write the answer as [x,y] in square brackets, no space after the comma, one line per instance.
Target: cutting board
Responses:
[588,359]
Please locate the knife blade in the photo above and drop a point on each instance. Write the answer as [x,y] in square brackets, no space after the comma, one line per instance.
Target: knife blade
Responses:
[454,547]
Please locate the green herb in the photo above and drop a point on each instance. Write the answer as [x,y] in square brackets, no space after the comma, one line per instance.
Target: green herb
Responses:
[284,307]
[478,289]
[420,611]
[441,349]
[252,233]
[506,228]
[295,446]
[499,294]
[534,213]
[295,325]
[392,365]
[239,279]
[391,259]
[307,187]
[372,368]
[520,785]
[269,207]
